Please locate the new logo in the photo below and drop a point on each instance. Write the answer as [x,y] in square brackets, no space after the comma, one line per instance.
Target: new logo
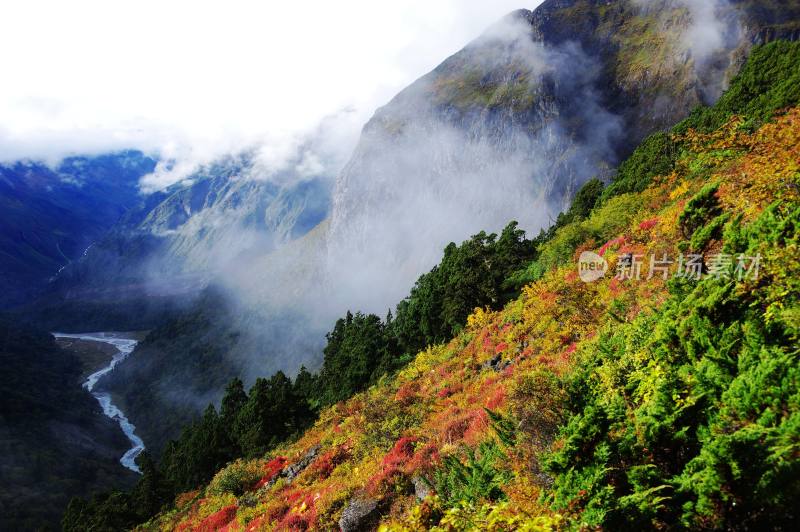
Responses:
[591,267]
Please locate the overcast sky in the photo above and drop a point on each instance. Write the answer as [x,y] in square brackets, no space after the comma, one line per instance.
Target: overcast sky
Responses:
[195,78]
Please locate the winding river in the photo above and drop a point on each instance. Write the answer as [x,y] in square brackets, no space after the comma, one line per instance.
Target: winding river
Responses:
[124,348]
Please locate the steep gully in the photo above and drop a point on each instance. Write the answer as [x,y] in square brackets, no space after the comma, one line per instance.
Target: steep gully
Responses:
[124,348]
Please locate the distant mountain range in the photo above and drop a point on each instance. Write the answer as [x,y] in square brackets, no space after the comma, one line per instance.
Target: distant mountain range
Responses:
[50,216]
[180,237]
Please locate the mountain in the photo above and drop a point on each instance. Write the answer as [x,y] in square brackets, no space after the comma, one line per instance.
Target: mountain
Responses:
[165,251]
[512,125]
[645,376]
[55,441]
[172,265]
[52,215]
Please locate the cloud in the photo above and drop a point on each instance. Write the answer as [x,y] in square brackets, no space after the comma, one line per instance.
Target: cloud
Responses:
[194,80]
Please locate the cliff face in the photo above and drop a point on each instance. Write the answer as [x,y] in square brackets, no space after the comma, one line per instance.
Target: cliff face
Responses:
[511,125]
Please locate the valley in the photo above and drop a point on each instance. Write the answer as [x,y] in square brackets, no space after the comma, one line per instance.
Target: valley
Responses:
[123,346]
[384,328]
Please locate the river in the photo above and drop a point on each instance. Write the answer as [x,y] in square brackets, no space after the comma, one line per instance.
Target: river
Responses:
[124,348]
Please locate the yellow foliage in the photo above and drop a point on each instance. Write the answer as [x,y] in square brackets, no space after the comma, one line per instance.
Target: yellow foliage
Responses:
[479,318]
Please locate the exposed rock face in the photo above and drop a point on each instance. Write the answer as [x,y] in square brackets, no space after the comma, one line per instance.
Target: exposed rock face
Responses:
[421,488]
[361,514]
[290,472]
[510,126]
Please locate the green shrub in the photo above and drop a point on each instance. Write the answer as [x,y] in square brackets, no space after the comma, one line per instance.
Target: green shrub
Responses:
[656,155]
[237,478]
[708,232]
[701,209]
[476,479]
[768,82]
[689,415]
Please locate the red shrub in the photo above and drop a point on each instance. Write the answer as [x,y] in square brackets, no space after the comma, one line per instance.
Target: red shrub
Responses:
[402,451]
[407,393]
[424,458]
[478,423]
[295,522]
[614,242]
[502,346]
[218,520]
[497,399]
[294,496]
[488,344]
[327,462]
[447,391]
[277,513]
[648,224]
[272,468]
[392,466]
[455,430]
[259,523]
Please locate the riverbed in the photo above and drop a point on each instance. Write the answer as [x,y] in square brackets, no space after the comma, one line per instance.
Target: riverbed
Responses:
[124,346]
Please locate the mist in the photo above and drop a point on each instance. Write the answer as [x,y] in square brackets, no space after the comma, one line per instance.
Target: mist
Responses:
[425,174]
[713,31]
[422,175]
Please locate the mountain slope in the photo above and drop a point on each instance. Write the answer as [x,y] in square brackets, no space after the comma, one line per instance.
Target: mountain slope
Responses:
[629,402]
[508,128]
[50,216]
[55,441]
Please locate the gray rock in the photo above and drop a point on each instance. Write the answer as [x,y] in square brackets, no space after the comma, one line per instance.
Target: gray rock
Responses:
[290,472]
[421,488]
[360,514]
[493,363]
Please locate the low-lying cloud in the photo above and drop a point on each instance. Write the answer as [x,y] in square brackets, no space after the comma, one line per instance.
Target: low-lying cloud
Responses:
[424,175]
[191,81]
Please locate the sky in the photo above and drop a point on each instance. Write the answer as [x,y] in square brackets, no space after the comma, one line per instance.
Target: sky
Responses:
[193,80]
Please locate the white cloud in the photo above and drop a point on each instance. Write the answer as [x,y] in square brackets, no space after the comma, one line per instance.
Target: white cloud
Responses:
[197,79]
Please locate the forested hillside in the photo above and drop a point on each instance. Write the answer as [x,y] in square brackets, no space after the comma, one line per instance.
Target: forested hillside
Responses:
[506,393]
[55,442]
